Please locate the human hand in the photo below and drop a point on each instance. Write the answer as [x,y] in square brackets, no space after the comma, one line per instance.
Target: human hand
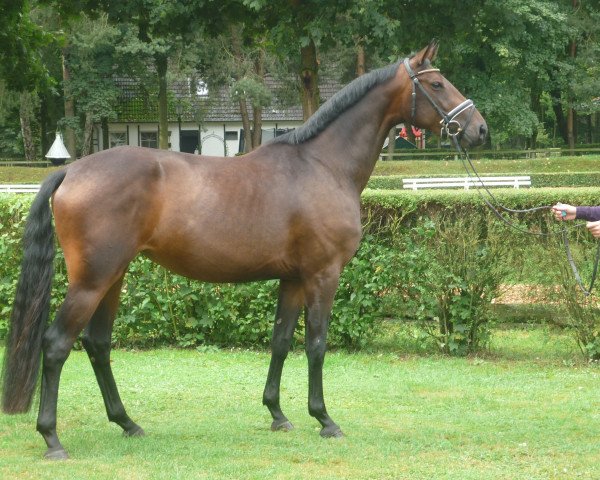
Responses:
[569,211]
[594,228]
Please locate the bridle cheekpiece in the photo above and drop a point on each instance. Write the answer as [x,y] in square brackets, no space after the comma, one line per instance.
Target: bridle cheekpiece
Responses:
[450,126]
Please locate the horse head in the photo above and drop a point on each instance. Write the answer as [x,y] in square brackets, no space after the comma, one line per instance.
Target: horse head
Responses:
[430,101]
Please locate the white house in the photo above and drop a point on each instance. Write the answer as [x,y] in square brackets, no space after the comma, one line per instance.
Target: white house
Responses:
[199,121]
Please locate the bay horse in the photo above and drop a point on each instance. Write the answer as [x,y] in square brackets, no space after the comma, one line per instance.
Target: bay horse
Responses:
[289,210]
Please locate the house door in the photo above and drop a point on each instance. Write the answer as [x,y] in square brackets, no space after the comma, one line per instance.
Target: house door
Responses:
[188,141]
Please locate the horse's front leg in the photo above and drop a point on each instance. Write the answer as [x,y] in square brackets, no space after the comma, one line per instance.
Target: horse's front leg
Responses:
[319,300]
[289,306]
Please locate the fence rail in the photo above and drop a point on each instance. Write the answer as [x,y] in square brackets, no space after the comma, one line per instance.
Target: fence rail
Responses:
[19,188]
[437,154]
[23,163]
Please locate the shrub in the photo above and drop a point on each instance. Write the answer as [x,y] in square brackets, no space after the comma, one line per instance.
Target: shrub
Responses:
[450,269]
[434,257]
[581,312]
[367,279]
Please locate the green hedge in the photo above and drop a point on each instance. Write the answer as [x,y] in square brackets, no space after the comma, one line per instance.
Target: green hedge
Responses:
[538,180]
[434,257]
[160,308]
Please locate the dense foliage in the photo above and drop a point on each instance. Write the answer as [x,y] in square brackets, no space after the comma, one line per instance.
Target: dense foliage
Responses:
[530,66]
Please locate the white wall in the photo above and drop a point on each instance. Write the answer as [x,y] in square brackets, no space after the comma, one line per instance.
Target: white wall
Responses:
[212,135]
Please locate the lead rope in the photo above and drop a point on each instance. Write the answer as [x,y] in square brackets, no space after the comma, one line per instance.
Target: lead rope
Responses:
[496,210]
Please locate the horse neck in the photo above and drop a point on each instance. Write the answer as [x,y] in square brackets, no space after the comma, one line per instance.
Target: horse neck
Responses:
[351,144]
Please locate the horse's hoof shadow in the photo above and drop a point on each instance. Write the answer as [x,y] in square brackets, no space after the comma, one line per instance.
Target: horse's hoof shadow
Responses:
[282,427]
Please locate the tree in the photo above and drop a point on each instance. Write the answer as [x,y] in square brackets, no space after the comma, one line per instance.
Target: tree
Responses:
[163,26]
[92,62]
[21,66]
[248,71]
[298,28]
[501,53]
[580,88]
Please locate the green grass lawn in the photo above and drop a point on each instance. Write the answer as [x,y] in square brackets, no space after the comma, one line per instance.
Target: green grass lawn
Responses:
[527,409]
[24,174]
[588,163]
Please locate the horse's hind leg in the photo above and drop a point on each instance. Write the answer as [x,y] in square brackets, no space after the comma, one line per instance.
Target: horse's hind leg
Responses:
[96,341]
[58,340]
[289,306]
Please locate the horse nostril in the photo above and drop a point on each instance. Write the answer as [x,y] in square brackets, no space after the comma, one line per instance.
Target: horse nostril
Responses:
[483,131]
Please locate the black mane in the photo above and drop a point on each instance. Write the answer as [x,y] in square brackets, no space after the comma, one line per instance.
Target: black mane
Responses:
[336,105]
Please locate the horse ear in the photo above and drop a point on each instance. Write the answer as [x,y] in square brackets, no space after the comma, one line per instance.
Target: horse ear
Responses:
[427,53]
[432,50]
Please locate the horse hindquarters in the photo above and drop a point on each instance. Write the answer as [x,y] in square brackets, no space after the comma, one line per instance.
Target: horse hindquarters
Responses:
[98,247]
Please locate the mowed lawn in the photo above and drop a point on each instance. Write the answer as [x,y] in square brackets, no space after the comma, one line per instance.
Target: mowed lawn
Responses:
[447,167]
[508,414]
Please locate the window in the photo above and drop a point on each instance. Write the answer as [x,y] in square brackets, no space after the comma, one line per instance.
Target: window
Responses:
[116,139]
[149,139]
[231,136]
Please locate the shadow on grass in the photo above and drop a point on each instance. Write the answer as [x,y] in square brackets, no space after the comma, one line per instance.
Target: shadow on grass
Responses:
[526,333]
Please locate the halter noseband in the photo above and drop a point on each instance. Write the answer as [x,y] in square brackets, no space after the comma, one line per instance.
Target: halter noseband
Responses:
[449,125]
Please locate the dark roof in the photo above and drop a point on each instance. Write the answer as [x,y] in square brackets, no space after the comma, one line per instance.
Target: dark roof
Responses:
[138,105]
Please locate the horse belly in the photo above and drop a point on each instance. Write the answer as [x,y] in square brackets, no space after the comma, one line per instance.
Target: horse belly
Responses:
[228,260]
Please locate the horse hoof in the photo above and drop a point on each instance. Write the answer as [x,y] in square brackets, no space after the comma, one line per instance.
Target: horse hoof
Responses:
[134,432]
[282,427]
[332,432]
[56,454]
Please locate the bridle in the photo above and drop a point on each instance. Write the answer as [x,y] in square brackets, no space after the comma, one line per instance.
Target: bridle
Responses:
[453,129]
[450,126]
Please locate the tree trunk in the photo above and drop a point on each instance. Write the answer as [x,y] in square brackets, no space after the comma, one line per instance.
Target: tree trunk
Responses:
[246,125]
[236,48]
[259,68]
[571,134]
[88,131]
[535,106]
[570,128]
[571,111]
[163,124]
[561,121]
[43,125]
[360,60]
[105,140]
[26,114]
[391,143]
[70,140]
[309,79]
[410,136]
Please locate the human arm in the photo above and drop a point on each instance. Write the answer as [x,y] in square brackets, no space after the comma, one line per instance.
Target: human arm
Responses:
[563,211]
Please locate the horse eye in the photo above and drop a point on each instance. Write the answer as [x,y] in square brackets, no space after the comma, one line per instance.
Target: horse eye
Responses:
[436,85]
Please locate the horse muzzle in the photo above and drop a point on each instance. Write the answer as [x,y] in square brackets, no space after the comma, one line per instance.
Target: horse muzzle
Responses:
[458,125]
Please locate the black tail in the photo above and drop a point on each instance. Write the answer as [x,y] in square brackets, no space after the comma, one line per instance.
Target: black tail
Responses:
[32,302]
